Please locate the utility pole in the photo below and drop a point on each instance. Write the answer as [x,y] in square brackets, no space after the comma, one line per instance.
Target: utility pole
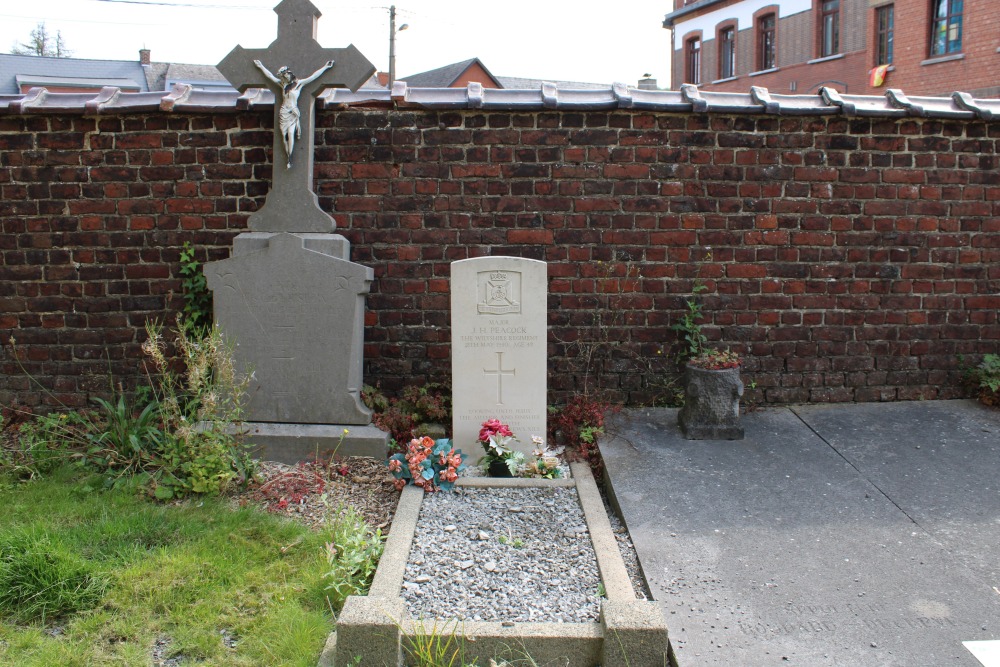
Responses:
[392,42]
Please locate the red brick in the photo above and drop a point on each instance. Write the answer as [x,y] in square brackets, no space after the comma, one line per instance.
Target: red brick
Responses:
[530,236]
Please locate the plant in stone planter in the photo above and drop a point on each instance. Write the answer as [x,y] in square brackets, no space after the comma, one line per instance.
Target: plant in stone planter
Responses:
[715,360]
[712,384]
[431,464]
[501,459]
[712,392]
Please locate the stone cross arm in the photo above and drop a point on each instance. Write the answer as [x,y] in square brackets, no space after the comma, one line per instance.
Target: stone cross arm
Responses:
[350,68]
[297,49]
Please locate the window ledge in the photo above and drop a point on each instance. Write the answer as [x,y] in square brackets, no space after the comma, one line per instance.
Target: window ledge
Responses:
[764,71]
[726,80]
[835,56]
[943,59]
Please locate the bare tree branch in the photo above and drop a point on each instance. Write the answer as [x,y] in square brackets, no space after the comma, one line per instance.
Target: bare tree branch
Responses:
[41,43]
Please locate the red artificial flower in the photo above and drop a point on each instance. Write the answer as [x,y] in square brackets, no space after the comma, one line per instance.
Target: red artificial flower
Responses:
[493,427]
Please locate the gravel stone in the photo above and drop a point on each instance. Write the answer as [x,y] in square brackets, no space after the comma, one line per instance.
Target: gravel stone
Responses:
[526,569]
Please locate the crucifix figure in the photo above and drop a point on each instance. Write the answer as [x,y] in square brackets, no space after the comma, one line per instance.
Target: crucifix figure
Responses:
[288,114]
[291,205]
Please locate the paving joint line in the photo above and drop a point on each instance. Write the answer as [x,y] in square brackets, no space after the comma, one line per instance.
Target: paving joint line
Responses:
[858,470]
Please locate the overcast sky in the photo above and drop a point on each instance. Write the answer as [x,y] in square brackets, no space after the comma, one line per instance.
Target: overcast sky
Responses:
[599,42]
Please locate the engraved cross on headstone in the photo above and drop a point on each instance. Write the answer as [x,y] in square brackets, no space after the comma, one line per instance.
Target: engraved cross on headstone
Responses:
[291,205]
[500,372]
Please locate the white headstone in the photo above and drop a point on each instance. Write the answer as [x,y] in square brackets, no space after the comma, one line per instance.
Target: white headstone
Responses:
[499,357]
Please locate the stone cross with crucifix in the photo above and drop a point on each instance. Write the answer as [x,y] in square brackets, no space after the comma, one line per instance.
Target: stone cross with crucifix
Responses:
[289,299]
[296,69]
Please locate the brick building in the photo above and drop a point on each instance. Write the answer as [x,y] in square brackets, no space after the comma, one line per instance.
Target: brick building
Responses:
[456,75]
[930,47]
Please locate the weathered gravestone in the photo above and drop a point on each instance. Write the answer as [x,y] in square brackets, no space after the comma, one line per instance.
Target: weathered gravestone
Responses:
[289,298]
[499,357]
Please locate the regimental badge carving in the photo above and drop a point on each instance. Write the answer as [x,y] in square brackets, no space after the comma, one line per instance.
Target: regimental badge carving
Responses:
[499,292]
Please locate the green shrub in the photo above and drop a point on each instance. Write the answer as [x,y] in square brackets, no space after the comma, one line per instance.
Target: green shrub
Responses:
[47,442]
[123,440]
[176,437]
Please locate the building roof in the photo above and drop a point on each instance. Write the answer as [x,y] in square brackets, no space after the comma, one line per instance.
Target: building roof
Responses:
[199,76]
[671,18]
[125,75]
[517,82]
[70,73]
[828,102]
[163,76]
[445,77]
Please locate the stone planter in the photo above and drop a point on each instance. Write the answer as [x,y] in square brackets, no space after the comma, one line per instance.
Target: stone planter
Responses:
[711,404]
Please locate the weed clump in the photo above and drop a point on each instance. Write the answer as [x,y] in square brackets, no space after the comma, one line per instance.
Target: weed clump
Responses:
[178,436]
[352,553]
[401,417]
[577,426]
[985,379]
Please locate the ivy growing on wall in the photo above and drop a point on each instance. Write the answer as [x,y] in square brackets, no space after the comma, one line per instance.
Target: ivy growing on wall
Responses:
[197,309]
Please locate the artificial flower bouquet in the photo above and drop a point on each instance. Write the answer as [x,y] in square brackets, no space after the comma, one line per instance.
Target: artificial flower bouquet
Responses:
[428,463]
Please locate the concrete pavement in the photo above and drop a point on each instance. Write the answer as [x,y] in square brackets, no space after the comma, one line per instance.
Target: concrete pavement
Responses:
[850,534]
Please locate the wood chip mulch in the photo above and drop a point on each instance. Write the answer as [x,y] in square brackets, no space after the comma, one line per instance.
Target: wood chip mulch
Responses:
[313,493]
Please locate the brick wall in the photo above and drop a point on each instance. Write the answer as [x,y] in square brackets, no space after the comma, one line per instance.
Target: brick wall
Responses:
[849,259]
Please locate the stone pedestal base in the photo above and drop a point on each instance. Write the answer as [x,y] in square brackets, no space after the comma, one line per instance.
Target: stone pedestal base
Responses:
[291,443]
[711,404]
[293,308]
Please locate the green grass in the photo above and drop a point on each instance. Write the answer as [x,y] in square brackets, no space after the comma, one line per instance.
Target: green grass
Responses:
[91,577]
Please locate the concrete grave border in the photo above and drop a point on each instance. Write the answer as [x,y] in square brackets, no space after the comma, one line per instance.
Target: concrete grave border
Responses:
[630,632]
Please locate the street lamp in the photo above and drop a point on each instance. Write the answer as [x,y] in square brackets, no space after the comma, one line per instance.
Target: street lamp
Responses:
[392,42]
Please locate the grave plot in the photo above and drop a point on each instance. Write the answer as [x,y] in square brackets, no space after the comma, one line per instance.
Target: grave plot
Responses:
[379,627]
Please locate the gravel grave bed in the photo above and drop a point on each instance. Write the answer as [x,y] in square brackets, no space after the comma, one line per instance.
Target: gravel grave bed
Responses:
[503,554]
